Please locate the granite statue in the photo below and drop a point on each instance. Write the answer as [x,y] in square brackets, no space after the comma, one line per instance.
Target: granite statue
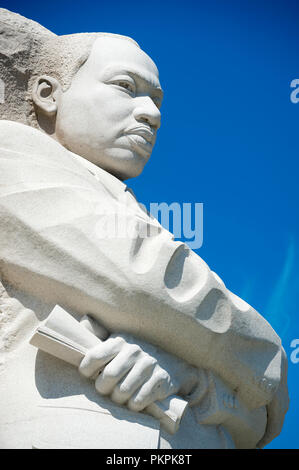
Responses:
[80,116]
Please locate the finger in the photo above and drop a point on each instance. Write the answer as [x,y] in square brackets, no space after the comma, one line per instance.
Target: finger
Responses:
[136,377]
[158,387]
[96,358]
[117,369]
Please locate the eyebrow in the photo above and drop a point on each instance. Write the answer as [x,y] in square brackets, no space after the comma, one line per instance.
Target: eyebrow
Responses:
[135,73]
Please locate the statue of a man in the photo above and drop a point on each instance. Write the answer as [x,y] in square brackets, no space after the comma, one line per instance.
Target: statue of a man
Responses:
[80,116]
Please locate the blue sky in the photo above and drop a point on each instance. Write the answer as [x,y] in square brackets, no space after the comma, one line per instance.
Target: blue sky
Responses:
[229,136]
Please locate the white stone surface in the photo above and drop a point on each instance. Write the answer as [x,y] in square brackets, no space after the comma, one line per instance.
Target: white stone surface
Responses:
[69,340]
[174,328]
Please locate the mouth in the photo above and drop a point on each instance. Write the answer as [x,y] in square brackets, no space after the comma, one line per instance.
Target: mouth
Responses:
[143,131]
[140,145]
[142,139]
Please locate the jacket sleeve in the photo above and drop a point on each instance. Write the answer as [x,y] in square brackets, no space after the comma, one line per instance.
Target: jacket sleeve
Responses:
[53,244]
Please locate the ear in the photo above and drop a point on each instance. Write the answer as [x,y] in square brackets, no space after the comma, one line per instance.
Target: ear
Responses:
[45,94]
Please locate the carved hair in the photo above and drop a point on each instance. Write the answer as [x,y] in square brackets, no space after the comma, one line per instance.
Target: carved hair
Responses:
[28,50]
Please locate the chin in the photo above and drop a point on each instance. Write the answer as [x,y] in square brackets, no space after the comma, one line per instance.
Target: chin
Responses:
[125,166]
[126,173]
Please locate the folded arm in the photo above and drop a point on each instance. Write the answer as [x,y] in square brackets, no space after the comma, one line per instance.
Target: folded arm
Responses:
[154,288]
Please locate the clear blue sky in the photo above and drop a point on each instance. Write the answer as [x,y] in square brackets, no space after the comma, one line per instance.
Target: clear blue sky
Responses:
[229,136]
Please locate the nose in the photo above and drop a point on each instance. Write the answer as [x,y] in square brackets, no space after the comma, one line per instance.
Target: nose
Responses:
[147,111]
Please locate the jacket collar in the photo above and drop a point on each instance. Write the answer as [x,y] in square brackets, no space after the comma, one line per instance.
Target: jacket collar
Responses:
[26,140]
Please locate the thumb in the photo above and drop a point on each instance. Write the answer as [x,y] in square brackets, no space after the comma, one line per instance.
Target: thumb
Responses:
[94,327]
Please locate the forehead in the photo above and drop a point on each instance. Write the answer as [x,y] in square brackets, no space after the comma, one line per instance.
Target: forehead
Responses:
[113,55]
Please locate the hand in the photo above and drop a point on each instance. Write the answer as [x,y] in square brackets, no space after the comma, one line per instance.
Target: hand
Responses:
[136,373]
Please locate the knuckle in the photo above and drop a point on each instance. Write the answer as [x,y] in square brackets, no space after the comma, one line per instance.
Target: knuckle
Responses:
[122,393]
[146,367]
[118,390]
[91,355]
[117,341]
[114,339]
[134,349]
[162,375]
[110,372]
[123,389]
[152,361]
[135,404]
[95,354]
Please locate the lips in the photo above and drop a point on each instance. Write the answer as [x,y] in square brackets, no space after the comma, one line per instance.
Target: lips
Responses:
[140,145]
[142,131]
[142,139]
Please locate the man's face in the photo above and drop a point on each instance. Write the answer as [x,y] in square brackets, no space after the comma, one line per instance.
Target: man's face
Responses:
[110,114]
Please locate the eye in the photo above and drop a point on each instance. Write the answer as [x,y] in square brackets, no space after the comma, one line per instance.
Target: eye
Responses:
[126,85]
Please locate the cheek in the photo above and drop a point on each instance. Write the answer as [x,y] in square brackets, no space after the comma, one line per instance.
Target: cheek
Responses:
[99,111]
[71,116]
[111,106]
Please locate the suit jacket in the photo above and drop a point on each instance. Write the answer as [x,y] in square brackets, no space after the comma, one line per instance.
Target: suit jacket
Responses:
[53,209]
